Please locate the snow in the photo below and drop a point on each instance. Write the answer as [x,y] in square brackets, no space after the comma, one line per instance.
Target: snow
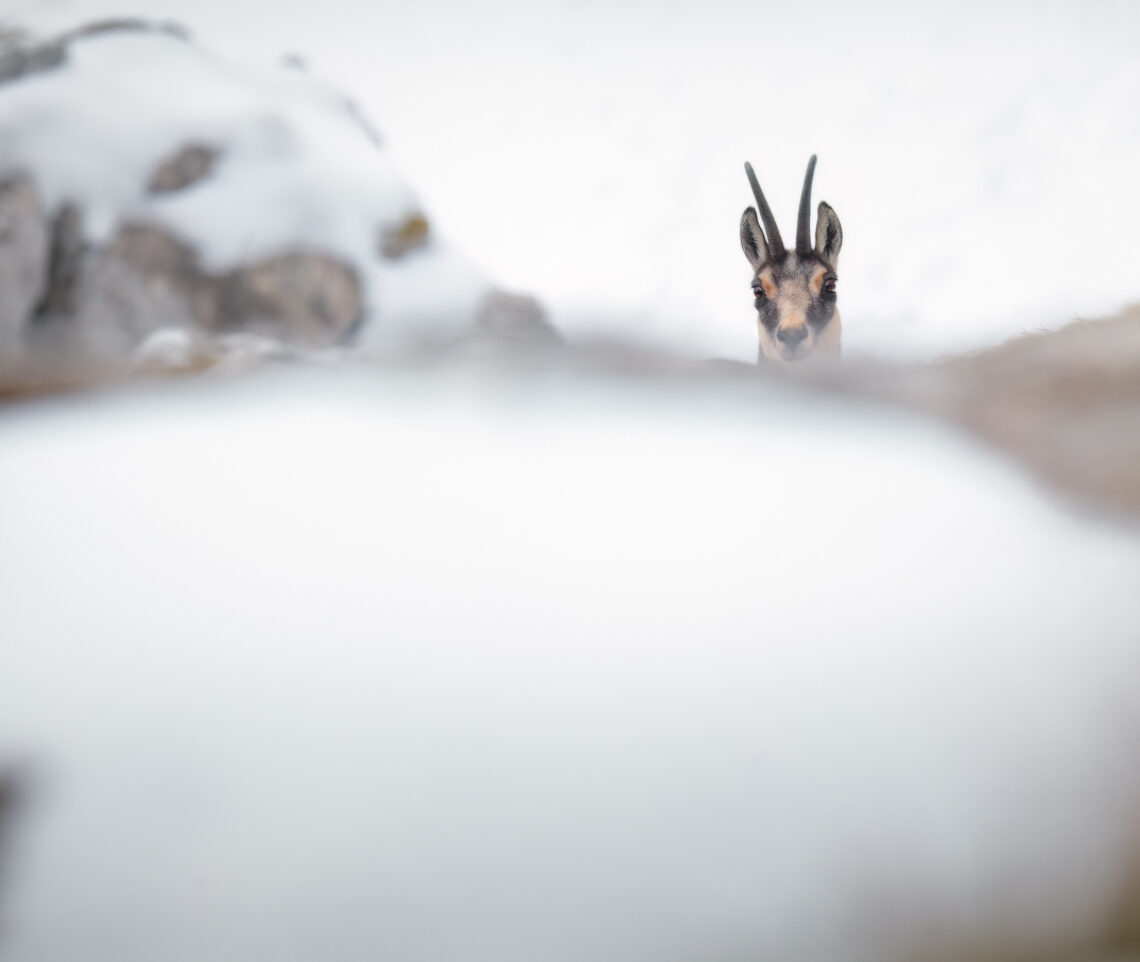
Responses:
[363,662]
[981,155]
[360,663]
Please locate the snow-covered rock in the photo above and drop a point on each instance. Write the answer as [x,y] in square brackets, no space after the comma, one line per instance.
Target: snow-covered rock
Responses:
[182,191]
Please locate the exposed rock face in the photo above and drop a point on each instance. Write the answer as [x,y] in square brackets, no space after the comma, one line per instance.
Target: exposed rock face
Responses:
[101,301]
[518,318]
[65,254]
[18,59]
[185,168]
[23,261]
[304,297]
[118,294]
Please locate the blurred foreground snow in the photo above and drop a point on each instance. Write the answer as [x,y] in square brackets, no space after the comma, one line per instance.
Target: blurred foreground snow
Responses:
[320,664]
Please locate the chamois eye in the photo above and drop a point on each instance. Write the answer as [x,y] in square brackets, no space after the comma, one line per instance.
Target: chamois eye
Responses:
[758,293]
[829,285]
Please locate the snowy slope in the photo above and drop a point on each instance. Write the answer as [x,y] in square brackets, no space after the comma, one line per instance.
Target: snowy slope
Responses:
[981,155]
[341,665]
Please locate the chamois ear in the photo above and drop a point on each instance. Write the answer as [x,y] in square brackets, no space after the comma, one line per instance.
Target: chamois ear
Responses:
[828,234]
[752,239]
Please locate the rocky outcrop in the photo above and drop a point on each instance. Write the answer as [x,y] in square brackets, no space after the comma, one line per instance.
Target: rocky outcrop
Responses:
[515,318]
[102,300]
[65,295]
[19,58]
[210,217]
[188,165]
[23,261]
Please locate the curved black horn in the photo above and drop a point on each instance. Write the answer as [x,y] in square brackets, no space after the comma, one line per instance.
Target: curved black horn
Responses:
[775,242]
[803,223]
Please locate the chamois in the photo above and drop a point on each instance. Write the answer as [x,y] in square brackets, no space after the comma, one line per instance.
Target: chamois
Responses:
[794,291]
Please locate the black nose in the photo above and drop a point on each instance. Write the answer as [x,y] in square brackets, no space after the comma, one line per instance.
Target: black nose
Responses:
[791,336]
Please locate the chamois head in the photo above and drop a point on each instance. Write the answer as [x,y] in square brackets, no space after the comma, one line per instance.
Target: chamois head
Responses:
[794,290]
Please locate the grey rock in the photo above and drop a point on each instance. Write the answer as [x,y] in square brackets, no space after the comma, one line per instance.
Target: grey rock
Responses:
[148,279]
[411,234]
[23,261]
[21,59]
[65,254]
[515,318]
[304,297]
[101,301]
[137,283]
[188,165]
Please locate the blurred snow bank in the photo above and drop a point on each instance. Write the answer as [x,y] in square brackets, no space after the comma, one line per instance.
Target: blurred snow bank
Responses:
[429,665]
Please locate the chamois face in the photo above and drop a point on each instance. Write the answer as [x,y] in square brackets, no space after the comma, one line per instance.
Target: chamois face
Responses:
[795,301]
[795,292]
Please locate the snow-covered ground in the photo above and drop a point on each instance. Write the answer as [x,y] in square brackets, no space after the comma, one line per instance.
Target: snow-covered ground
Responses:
[351,664]
[981,155]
